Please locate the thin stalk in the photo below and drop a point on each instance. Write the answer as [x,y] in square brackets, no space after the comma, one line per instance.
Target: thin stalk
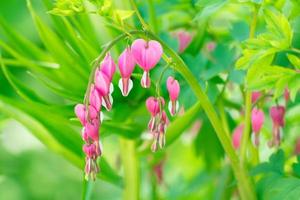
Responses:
[247,122]
[138,14]
[131,169]
[160,78]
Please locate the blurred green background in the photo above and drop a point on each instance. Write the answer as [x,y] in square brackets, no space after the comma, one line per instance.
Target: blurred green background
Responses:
[194,166]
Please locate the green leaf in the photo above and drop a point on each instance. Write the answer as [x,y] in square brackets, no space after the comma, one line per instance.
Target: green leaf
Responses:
[282,189]
[120,15]
[25,92]
[67,7]
[294,60]
[278,25]
[53,131]
[296,167]
[69,61]
[275,164]
[176,128]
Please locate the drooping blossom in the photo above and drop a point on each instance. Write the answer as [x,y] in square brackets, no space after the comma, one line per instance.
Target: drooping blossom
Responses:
[173,88]
[91,166]
[158,121]
[237,136]
[126,64]
[146,54]
[90,134]
[277,115]
[80,111]
[184,39]
[108,66]
[257,120]
[95,98]
[255,96]
[102,85]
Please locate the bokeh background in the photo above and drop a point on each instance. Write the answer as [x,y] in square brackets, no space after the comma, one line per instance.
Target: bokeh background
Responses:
[193,167]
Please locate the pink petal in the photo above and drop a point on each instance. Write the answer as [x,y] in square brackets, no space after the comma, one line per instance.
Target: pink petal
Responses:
[152,105]
[102,83]
[126,63]
[108,67]
[80,113]
[146,53]
[95,98]
[277,114]
[237,136]
[184,39]
[92,129]
[257,119]
[173,88]
[255,96]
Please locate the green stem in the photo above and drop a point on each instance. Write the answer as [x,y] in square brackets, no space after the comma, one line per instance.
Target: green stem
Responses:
[295,50]
[160,78]
[247,122]
[152,15]
[145,26]
[131,169]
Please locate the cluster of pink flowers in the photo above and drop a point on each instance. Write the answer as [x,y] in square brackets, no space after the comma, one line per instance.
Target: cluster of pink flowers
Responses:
[277,114]
[146,54]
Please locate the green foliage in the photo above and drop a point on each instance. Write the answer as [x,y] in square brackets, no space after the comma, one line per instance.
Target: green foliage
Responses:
[42,80]
[67,7]
[259,53]
[274,183]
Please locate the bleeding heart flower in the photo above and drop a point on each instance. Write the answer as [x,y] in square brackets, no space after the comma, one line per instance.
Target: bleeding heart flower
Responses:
[257,120]
[255,96]
[158,122]
[102,84]
[81,114]
[89,150]
[92,129]
[91,165]
[95,98]
[108,67]
[184,39]
[126,65]
[174,90]
[147,54]
[277,115]
[237,136]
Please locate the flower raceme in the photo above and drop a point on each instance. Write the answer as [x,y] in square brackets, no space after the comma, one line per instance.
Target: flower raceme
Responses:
[257,121]
[158,121]
[146,54]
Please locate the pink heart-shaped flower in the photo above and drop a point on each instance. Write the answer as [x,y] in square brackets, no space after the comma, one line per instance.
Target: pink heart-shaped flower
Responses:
[146,53]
